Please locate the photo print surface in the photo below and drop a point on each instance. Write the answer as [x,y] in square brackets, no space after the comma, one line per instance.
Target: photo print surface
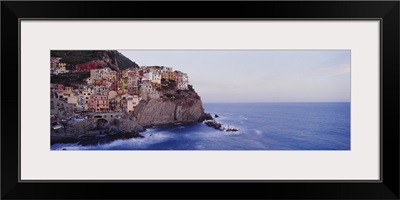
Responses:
[200,99]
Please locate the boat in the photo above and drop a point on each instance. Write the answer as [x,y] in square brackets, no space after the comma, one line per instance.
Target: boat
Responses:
[56,126]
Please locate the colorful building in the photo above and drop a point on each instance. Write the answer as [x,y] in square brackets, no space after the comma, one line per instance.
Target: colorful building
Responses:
[112,104]
[109,90]
[156,76]
[123,85]
[80,102]
[169,75]
[85,93]
[94,74]
[132,102]
[113,76]
[99,103]
[54,62]
[88,66]
[57,67]
[119,101]
[133,90]
[147,90]
[182,81]
[56,87]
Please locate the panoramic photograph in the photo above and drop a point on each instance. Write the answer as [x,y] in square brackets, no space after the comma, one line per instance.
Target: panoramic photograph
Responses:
[200,99]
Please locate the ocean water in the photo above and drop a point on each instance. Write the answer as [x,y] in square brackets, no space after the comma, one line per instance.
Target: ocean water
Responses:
[262,126]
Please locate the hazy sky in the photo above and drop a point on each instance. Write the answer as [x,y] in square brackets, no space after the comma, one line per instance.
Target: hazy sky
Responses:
[258,75]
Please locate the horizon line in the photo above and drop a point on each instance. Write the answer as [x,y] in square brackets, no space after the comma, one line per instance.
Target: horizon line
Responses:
[283,102]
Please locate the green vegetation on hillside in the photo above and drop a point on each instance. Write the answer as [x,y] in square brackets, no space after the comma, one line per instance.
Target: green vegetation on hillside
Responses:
[74,57]
[167,84]
[122,61]
[70,79]
[77,57]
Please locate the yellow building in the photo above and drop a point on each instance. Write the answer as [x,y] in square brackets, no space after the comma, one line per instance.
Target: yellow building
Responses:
[169,75]
[123,85]
[125,73]
[118,99]
[165,75]
[60,65]
[85,94]
[173,76]
[68,90]
[113,76]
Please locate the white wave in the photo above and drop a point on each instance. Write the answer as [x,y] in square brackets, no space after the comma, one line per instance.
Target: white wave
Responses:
[70,146]
[61,146]
[150,137]
[258,132]
[243,117]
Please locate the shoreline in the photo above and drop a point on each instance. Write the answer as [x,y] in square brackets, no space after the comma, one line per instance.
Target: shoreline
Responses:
[85,133]
[93,139]
[101,137]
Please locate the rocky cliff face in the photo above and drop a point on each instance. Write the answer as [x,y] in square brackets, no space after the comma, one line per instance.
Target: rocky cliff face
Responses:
[168,111]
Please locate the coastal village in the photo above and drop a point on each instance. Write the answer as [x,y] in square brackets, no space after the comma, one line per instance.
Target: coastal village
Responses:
[109,92]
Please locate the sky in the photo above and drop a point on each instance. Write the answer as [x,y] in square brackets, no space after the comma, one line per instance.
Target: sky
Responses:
[258,75]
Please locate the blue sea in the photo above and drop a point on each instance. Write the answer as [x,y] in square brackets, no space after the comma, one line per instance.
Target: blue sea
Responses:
[262,126]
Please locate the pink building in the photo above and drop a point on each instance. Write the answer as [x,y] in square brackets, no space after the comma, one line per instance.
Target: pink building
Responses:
[54,61]
[99,103]
[131,73]
[56,87]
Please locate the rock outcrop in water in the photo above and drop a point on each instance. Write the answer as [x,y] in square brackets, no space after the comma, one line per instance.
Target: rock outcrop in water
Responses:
[219,126]
[89,132]
[214,124]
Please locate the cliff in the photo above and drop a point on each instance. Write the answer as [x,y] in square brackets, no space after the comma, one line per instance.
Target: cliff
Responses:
[165,111]
[177,107]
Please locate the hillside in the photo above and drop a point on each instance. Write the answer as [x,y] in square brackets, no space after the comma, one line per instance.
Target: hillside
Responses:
[70,79]
[111,58]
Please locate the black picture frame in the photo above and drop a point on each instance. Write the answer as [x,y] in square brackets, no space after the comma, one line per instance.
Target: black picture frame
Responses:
[386,11]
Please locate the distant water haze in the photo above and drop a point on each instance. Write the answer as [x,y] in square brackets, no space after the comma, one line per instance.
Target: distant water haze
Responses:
[258,75]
